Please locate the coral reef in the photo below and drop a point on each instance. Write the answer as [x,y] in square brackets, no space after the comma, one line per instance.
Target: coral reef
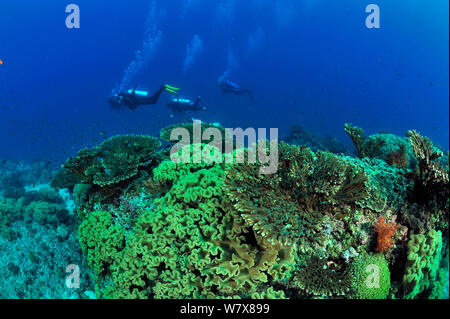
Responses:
[18,174]
[44,206]
[33,263]
[115,160]
[191,244]
[38,239]
[322,226]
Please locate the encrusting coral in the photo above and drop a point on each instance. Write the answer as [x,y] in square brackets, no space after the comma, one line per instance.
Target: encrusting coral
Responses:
[45,206]
[422,264]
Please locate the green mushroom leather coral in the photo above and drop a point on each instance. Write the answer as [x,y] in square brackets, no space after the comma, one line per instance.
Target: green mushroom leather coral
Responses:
[371,277]
[422,265]
[192,244]
[100,239]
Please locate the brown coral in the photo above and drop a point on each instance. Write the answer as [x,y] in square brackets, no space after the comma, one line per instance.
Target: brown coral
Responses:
[366,147]
[317,278]
[288,207]
[431,185]
[357,136]
[398,157]
[430,171]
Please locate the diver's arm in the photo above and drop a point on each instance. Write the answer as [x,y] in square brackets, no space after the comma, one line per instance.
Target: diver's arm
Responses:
[197,102]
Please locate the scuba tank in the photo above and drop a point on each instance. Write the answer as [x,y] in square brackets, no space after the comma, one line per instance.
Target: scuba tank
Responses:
[179,101]
[138,93]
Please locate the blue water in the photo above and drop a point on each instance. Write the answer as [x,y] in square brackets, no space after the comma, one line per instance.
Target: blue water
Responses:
[312,63]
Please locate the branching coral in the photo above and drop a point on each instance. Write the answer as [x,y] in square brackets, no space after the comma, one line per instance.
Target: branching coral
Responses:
[430,170]
[367,147]
[358,138]
[394,150]
[431,186]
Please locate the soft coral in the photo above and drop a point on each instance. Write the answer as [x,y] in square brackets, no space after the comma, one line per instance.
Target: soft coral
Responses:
[385,233]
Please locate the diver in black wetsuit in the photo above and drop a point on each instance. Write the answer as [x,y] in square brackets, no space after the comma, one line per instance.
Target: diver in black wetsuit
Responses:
[229,87]
[179,105]
[134,98]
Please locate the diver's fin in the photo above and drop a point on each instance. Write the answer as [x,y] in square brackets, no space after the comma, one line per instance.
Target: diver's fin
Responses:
[171,87]
[171,91]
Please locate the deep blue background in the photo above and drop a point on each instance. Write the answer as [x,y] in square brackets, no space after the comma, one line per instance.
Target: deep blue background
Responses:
[315,64]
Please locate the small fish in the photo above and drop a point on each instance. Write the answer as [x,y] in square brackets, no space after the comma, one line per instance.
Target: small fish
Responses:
[1,62]
[102,133]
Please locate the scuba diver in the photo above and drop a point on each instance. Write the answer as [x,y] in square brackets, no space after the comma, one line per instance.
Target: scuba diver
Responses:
[179,105]
[133,98]
[230,87]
